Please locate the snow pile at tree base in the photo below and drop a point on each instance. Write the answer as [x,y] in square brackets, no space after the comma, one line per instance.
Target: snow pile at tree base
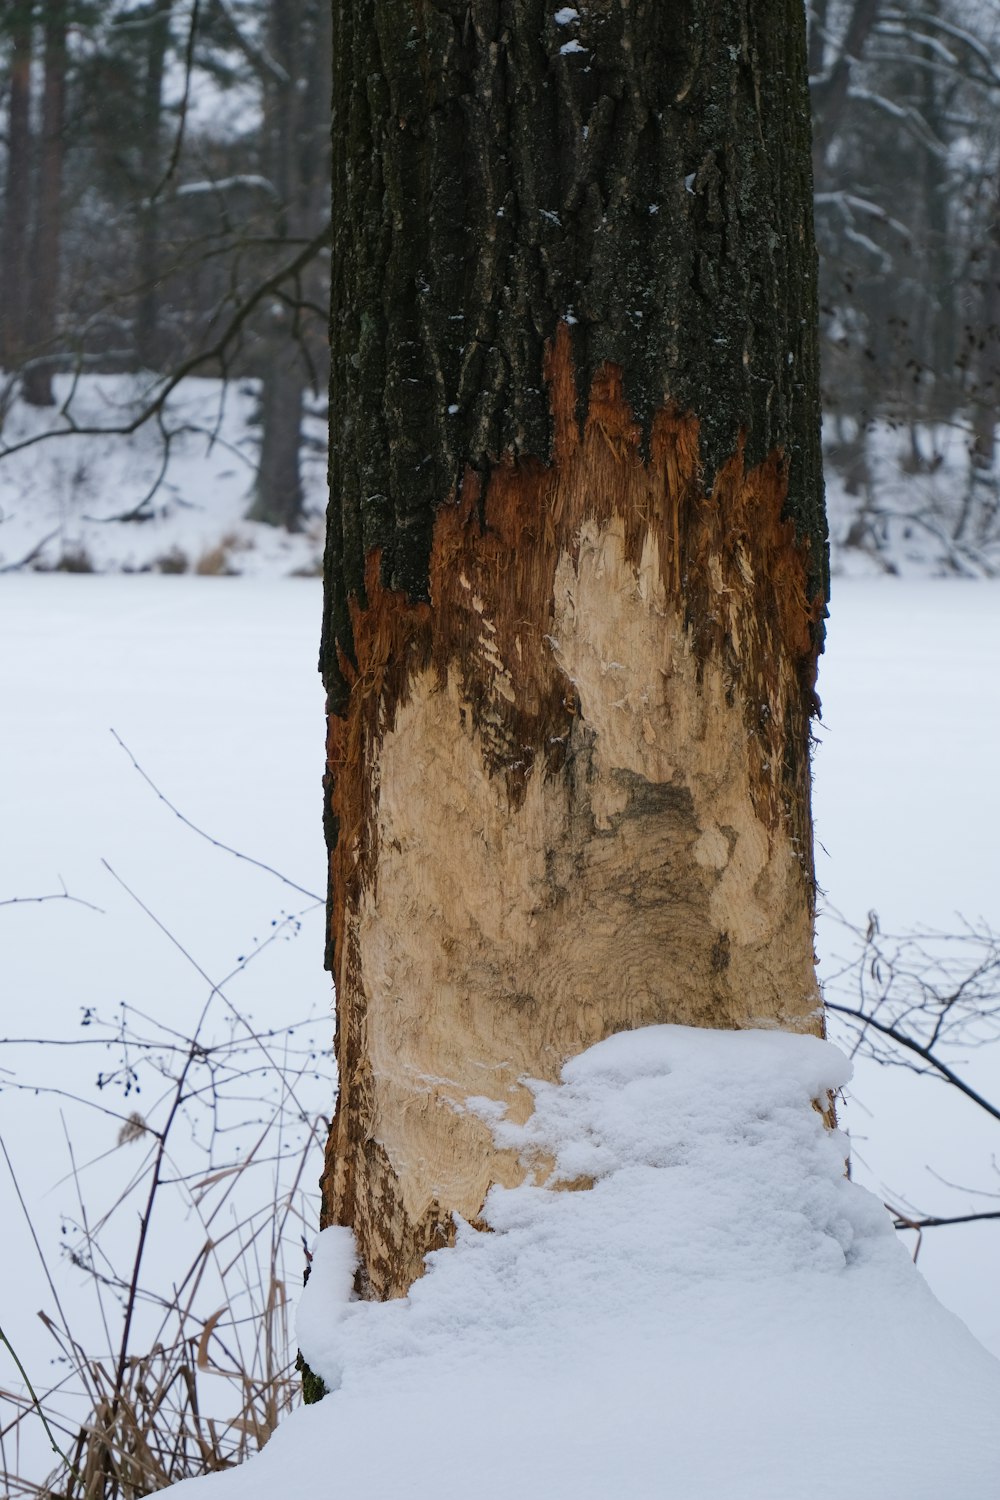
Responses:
[721,1314]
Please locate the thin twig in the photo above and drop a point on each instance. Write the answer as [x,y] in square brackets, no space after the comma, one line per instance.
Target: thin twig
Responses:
[31,1230]
[940,1221]
[217,843]
[62,895]
[925,1053]
[216,988]
[30,556]
[210,355]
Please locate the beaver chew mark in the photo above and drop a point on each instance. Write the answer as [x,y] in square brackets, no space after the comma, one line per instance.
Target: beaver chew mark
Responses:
[572,798]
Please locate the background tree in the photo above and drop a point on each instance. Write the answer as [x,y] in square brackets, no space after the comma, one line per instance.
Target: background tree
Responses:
[189,233]
[42,290]
[576,563]
[17,24]
[153,25]
[906,169]
[296,145]
[192,168]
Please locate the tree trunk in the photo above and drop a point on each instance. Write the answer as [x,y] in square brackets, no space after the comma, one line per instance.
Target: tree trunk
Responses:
[277,483]
[830,97]
[148,341]
[44,283]
[576,564]
[981,503]
[296,119]
[14,270]
[816,14]
[938,315]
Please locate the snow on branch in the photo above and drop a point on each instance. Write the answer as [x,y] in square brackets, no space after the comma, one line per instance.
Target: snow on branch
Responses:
[250,181]
[906,115]
[905,21]
[846,201]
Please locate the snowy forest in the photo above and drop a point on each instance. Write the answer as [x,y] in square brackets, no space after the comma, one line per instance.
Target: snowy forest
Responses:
[166,215]
[168,237]
[166,210]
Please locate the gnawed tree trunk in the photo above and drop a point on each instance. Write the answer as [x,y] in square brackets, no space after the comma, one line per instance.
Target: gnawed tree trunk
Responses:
[576,563]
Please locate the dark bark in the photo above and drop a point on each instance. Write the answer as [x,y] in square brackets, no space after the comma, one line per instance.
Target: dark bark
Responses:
[642,173]
[935,340]
[14,270]
[48,224]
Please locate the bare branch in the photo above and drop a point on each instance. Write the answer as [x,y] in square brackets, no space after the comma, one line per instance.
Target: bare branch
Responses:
[210,354]
[217,843]
[62,895]
[933,1221]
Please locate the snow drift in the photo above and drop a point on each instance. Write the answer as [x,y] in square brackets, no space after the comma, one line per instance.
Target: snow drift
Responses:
[720,1313]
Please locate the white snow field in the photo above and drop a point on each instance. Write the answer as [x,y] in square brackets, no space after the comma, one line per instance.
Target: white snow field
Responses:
[212,684]
[773,1337]
[721,1314]
[907,812]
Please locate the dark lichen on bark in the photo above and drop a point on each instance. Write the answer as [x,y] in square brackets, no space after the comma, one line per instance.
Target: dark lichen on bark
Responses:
[639,170]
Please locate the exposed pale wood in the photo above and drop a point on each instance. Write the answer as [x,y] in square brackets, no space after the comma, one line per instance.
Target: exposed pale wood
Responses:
[572,794]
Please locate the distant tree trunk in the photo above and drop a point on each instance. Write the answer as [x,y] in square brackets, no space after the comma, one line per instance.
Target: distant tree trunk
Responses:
[830,97]
[14,270]
[296,125]
[278,483]
[817,15]
[148,340]
[981,503]
[939,315]
[576,564]
[44,284]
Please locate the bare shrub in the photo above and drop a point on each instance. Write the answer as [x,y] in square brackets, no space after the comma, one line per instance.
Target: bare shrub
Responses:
[217,561]
[191,1376]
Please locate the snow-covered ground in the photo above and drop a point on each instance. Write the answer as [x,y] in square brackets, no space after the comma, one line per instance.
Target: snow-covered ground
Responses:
[171,497]
[898,502]
[721,1314]
[907,810]
[211,683]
